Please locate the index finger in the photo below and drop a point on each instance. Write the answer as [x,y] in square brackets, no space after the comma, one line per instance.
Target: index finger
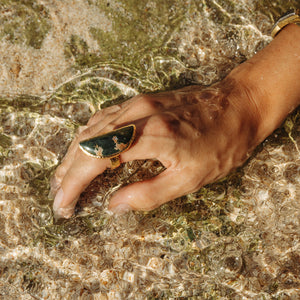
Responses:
[83,170]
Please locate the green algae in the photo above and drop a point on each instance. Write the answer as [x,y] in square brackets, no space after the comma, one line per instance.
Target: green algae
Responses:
[137,29]
[180,224]
[291,128]
[24,22]
[78,49]
[274,9]
[26,103]
[138,44]
[218,12]
[90,88]
[5,141]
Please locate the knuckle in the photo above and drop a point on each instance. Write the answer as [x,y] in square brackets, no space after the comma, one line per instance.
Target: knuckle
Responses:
[105,112]
[194,184]
[85,134]
[81,129]
[164,125]
[150,103]
[95,117]
[149,204]
[110,127]
[90,132]
[191,182]
[60,172]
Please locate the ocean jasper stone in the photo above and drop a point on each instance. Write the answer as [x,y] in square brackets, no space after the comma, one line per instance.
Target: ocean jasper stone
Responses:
[110,144]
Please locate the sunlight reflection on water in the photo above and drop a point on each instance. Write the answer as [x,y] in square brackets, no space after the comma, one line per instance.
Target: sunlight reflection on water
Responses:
[235,239]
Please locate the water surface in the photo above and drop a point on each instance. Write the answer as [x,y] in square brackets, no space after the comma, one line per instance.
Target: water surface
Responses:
[60,62]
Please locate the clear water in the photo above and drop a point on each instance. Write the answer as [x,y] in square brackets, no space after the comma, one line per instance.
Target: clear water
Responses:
[60,62]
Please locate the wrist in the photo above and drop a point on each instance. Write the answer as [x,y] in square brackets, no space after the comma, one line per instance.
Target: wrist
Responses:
[269,82]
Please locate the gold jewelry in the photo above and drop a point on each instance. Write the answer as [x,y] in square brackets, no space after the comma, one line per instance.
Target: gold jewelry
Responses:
[291,17]
[110,145]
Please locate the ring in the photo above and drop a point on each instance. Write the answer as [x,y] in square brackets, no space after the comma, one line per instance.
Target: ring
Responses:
[110,145]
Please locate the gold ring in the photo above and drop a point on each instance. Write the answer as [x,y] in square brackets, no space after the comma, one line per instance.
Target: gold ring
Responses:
[110,145]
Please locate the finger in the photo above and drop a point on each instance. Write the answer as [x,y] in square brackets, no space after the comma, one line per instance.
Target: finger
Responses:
[150,194]
[110,113]
[142,106]
[83,170]
[84,133]
[139,107]
[151,147]
[157,137]
[65,164]
[104,116]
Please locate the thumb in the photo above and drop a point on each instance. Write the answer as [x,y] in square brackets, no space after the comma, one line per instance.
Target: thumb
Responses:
[149,194]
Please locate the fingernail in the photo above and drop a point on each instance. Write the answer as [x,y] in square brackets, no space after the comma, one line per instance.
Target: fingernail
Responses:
[121,209]
[61,212]
[81,129]
[54,186]
[58,199]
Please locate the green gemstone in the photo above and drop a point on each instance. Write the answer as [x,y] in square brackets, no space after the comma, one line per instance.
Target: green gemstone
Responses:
[109,144]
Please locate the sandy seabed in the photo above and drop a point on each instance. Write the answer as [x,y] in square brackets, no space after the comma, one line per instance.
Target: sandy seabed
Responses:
[63,60]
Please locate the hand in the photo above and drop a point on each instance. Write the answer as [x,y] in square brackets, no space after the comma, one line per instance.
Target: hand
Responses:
[198,135]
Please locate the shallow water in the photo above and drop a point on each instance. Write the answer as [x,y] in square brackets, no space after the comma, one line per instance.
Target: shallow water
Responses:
[60,62]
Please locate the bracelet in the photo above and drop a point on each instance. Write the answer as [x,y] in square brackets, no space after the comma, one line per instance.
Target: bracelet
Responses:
[291,17]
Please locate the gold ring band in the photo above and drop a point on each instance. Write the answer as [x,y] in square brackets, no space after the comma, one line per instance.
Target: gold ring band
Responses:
[290,17]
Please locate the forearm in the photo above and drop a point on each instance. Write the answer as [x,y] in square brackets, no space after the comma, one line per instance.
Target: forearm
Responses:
[272,80]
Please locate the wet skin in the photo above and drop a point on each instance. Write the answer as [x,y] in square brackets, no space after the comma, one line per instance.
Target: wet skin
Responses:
[198,134]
